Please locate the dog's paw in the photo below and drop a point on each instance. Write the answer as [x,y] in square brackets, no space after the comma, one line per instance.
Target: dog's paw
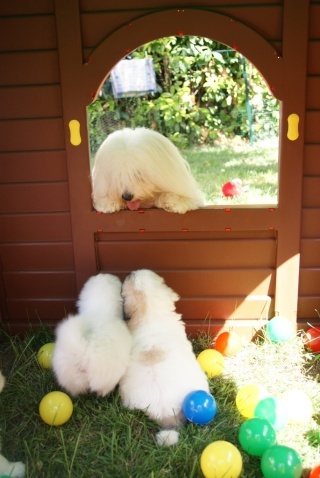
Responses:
[13,469]
[167,437]
[174,203]
[18,470]
[106,205]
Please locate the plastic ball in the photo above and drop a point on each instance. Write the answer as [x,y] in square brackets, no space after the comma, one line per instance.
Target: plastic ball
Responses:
[199,407]
[280,460]
[247,399]
[228,343]
[298,406]
[212,362]
[45,355]
[280,329]
[312,341]
[273,410]
[56,408]
[232,188]
[256,435]
[315,472]
[221,459]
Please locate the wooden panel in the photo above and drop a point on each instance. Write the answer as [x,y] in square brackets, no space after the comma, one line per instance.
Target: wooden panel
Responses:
[205,220]
[174,254]
[311,192]
[20,7]
[96,27]
[314,24]
[312,130]
[30,102]
[265,20]
[35,227]
[313,66]
[311,165]
[31,135]
[33,166]
[37,257]
[35,33]
[310,253]
[247,329]
[307,307]
[30,311]
[313,92]
[221,282]
[309,283]
[46,285]
[35,197]
[113,5]
[214,283]
[310,223]
[15,68]
[221,308]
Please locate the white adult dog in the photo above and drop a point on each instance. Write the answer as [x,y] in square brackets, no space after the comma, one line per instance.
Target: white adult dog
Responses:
[8,468]
[163,368]
[141,168]
[92,349]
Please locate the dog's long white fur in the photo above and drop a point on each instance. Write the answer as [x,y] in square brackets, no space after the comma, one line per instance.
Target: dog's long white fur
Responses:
[146,165]
[92,348]
[9,468]
[163,368]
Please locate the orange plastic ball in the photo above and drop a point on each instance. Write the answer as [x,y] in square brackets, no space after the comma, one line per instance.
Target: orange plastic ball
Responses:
[228,343]
[315,472]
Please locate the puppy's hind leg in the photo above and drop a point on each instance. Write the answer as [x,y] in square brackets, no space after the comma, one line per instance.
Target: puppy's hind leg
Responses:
[170,434]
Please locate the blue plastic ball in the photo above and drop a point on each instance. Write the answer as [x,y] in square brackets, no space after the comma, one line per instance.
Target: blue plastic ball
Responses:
[199,407]
[280,329]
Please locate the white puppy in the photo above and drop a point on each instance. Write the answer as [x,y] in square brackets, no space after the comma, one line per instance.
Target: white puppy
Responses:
[92,349]
[141,168]
[163,368]
[8,468]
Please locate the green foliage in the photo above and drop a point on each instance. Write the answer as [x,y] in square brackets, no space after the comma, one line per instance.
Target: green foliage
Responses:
[205,90]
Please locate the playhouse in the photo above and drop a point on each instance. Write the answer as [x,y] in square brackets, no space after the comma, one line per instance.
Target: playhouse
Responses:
[232,267]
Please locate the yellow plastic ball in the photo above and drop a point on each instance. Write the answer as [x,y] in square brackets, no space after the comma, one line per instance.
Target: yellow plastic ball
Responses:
[221,459]
[56,408]
[248,398]
[211,362]
[45,355]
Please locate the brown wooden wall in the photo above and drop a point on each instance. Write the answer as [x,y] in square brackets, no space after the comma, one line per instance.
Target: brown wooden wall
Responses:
[230,267]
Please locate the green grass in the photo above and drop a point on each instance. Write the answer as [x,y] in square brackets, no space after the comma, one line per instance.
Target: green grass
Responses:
[256,166]
[102,439]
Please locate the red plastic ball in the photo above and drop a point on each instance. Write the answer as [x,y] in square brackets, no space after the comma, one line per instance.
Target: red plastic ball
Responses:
[232,188]
[228,343]
[315,472]
[313,339]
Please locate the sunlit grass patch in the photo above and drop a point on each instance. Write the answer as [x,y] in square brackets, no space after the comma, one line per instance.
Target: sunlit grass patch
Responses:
[256,166]
[102,439]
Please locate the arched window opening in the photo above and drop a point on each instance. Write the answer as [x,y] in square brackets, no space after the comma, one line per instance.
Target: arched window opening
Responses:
[213,104]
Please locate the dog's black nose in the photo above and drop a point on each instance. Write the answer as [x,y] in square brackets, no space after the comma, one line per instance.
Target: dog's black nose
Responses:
[127,196]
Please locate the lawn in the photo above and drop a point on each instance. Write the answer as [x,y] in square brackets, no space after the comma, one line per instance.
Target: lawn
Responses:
[102,439]
[256,166]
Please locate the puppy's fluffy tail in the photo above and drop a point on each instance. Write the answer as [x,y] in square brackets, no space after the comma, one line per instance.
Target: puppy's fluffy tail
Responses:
[167,437]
